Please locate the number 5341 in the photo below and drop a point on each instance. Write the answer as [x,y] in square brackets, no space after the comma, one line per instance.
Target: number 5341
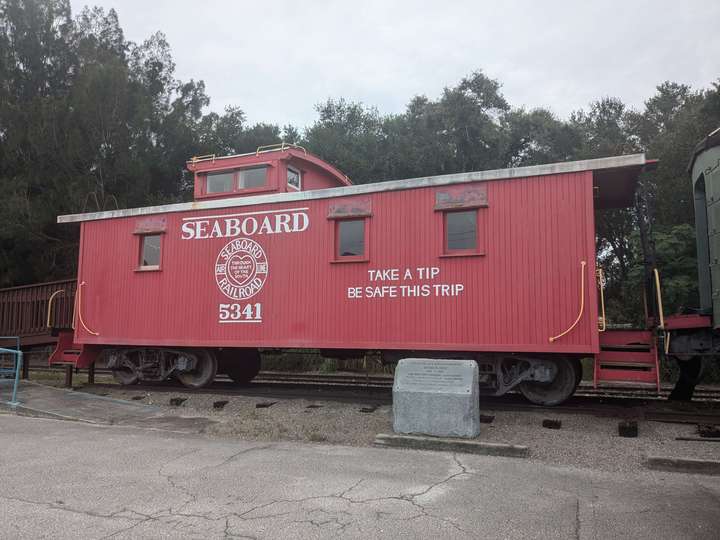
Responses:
[238,312]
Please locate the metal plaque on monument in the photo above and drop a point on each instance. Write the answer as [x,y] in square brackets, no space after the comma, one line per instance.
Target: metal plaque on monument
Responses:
[436,397]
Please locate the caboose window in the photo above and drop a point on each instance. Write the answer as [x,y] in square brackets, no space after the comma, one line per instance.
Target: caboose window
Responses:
[350,238]
[219,182]
[293,179]
[252,178]
[234,181]
[461,231]
[150,251]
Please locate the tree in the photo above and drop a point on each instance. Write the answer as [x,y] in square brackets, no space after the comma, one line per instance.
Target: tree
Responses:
[537,136]
[88,121]
[350,136]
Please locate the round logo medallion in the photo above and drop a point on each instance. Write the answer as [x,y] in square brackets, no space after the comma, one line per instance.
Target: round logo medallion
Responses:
[241,269]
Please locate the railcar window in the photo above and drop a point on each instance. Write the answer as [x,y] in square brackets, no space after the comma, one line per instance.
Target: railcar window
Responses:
[219,182]
[252,178]
[150,251]
[293,178]
[351,238]
[461,231]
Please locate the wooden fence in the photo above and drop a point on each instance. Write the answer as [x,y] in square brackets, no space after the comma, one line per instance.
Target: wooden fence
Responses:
[23,311]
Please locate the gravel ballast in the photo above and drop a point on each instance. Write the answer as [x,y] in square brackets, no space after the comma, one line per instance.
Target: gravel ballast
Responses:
[584,440]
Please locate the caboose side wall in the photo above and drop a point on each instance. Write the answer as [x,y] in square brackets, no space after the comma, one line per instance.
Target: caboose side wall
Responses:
[535,231]
[312,176]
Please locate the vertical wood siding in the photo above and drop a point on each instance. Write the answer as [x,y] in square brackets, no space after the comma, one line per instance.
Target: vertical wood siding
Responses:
[524,289]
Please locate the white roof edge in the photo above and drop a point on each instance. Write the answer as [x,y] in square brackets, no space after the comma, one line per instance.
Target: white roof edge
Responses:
[361,189]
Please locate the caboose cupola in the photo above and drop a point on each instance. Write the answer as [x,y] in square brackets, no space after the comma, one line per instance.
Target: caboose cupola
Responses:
[277,168]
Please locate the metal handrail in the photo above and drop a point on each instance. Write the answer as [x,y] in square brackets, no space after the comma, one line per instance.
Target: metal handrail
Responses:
[18,366]
[282,146]
[195,159]
[658,292]
[602,323]
[582,304]
[661,316]
[49,306]
[78,305]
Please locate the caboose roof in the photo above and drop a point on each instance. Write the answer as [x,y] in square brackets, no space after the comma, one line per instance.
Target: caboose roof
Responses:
[213,163]
[615,180]
[710,141]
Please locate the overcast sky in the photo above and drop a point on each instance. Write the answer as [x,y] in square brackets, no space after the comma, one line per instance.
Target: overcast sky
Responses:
[277,59]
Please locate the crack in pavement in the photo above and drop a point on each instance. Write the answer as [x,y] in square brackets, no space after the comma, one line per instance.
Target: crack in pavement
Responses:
[64,508]
[409,498]
[339,519]
[191,497]
[118,514]
[577,518]
[237,454]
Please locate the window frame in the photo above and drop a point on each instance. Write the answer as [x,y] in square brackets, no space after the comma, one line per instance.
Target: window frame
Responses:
[263,187]
[141,244]
[206,183]
[236,171]
[300,175]
[336,257]
[468,252]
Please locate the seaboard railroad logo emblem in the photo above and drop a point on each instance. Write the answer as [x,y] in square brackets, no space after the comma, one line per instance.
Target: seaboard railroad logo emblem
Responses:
[241,269]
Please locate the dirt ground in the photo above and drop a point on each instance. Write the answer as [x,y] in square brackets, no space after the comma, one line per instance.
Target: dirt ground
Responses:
[583,440]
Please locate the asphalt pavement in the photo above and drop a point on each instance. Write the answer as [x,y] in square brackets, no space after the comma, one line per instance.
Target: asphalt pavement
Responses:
[62,479]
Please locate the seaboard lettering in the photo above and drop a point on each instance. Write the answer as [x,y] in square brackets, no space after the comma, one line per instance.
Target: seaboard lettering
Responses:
[230,227]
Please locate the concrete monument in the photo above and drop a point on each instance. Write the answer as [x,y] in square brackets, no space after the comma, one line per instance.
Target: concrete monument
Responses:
[436,397]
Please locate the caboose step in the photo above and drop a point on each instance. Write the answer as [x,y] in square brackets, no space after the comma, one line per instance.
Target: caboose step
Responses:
[641,347]
[627,357]
[628,384]
[626,365]
[67,352]
[627,376]
[626,338]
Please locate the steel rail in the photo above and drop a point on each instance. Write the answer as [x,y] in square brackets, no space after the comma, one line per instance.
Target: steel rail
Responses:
[621,408]
[385,382]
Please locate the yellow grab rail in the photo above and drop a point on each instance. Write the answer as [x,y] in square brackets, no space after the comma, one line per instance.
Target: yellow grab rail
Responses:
[661,316]
[602,325]
[659,298]
[78,306]
[195,159]
[49,306]
[582,304]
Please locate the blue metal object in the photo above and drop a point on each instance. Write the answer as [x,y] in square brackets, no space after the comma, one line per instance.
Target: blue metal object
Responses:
[17,366]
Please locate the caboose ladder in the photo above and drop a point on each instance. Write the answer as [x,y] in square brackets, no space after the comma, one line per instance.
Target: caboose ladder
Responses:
[67,352]
[627,358]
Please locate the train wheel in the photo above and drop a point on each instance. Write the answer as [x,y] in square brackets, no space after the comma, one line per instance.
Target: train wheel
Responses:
[578,372]
[125,376]
[691,372]
[242,368]
[240,365]
[204,372]
[559,389]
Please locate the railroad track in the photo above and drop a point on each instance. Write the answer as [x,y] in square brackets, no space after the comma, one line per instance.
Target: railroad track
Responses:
[702,393]
[380,382]
[637,403]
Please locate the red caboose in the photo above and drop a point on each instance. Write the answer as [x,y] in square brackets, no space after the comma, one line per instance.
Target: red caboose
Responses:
[279,250]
